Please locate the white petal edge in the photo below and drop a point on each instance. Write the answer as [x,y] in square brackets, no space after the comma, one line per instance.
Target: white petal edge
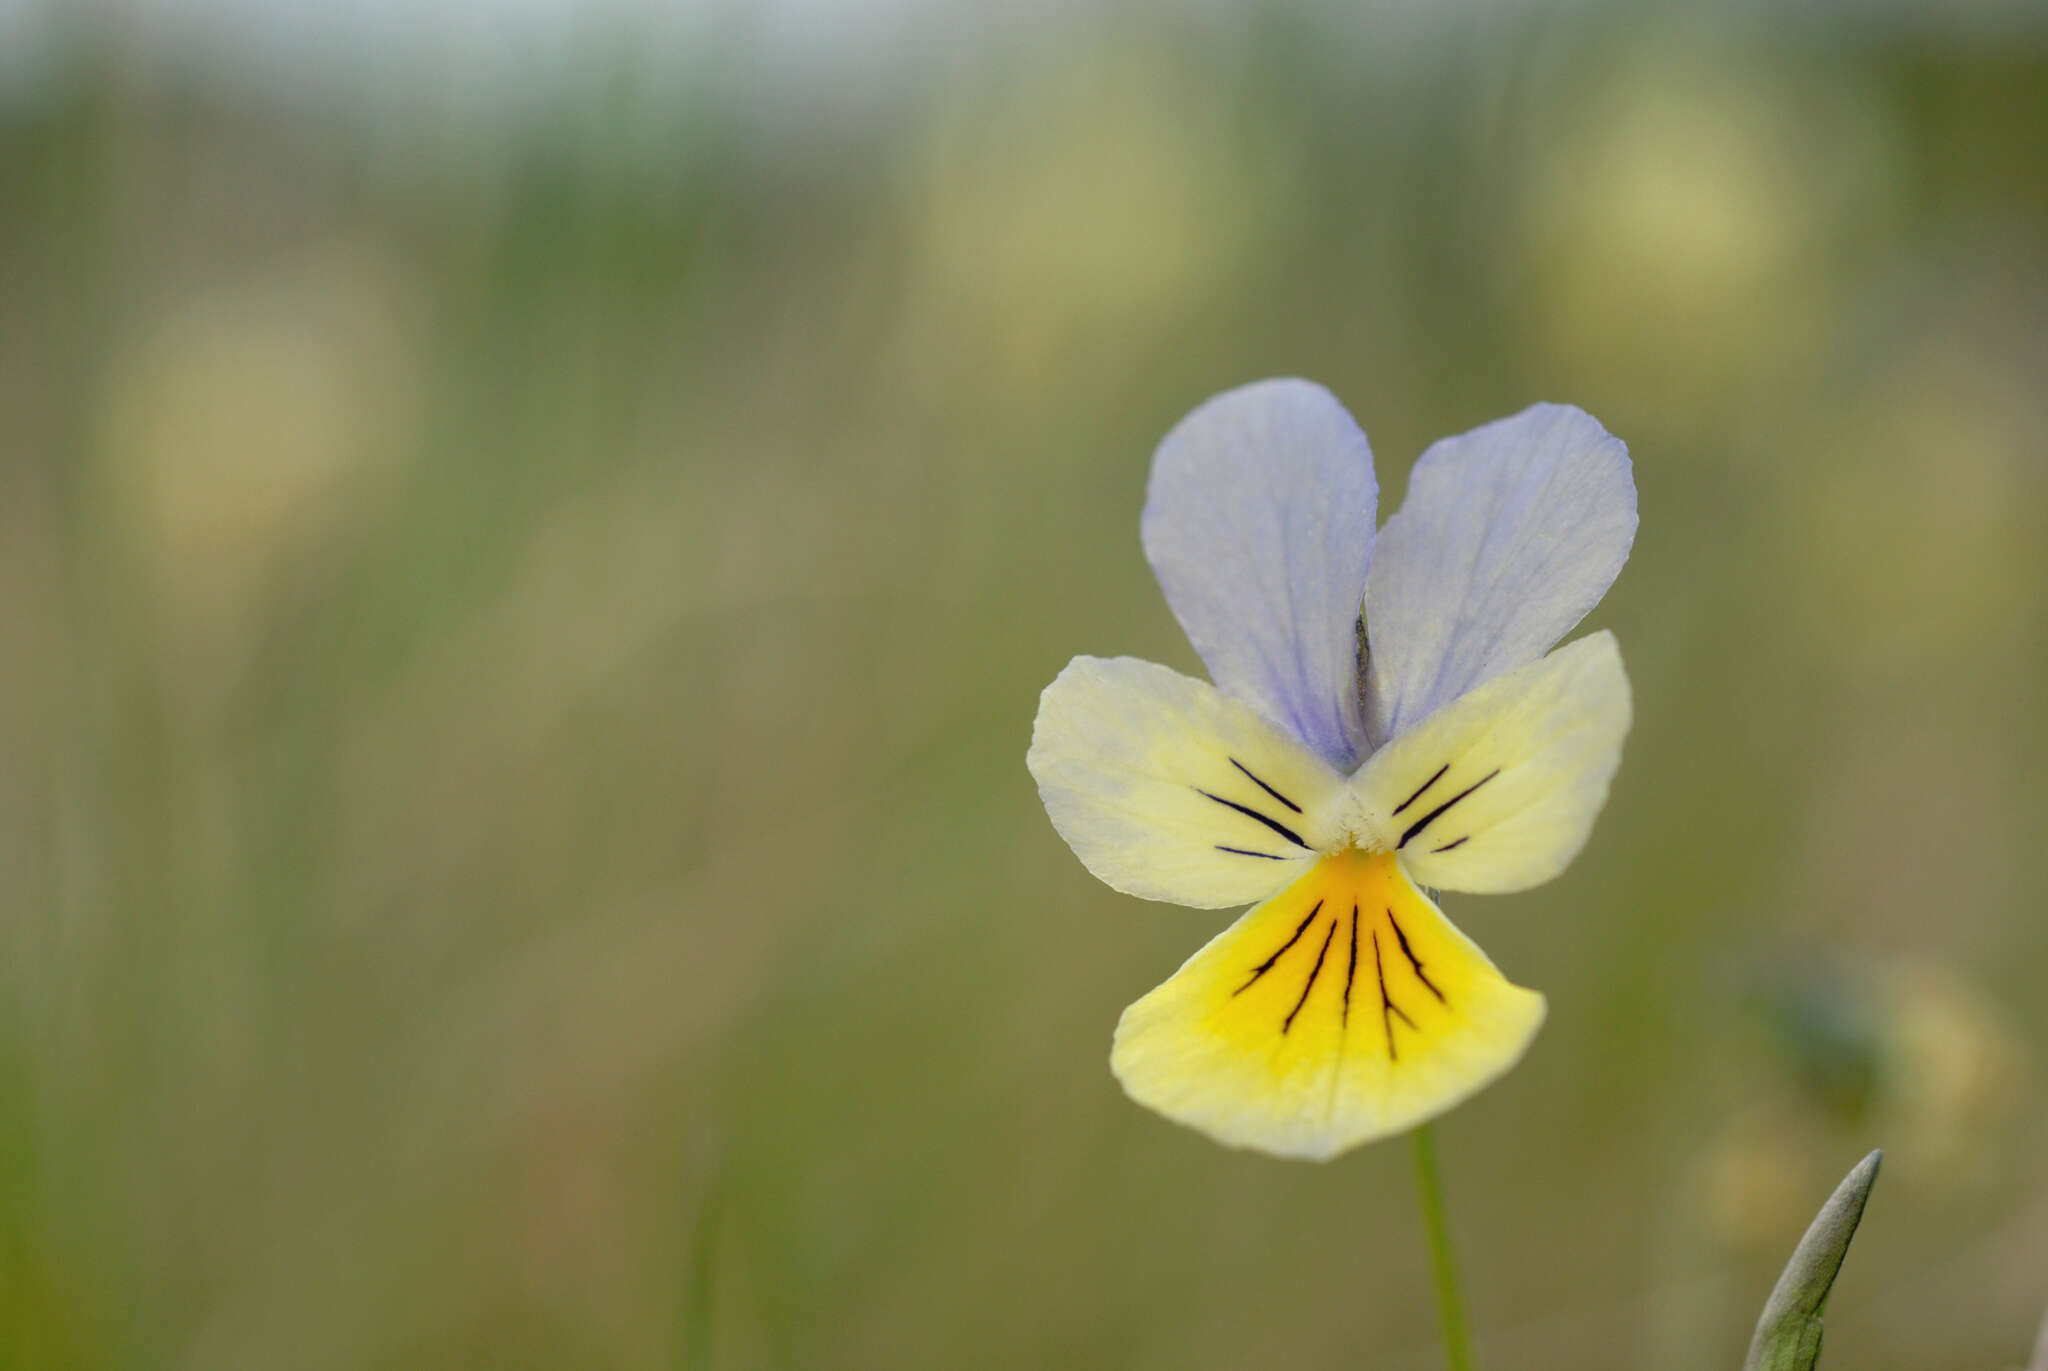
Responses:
[1259,525]
[1154,779]
[1508,536]
[1498,790]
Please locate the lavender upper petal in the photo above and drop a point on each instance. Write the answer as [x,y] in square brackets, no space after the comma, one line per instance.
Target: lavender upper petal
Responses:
[1259,525]
[1509,535]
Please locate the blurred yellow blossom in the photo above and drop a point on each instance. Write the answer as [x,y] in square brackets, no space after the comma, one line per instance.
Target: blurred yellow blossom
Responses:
[237,430]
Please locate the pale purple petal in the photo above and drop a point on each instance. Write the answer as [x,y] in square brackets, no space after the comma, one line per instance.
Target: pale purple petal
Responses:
[1259,525]
[1509,535]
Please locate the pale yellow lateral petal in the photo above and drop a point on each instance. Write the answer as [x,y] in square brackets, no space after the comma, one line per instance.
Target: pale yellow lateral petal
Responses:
[1168,789]
[1345,1009]
[1497,791]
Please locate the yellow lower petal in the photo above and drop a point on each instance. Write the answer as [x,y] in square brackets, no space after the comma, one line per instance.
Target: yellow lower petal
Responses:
[1344,1009]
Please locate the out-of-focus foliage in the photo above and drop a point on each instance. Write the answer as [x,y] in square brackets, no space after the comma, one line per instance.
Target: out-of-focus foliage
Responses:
[518,639]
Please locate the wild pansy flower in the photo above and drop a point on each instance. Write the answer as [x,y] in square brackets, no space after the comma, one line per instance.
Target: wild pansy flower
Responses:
[1387,716]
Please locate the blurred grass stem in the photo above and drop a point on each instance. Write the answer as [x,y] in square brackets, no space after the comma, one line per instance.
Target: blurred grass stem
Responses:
[703,1289]
[1443,1265]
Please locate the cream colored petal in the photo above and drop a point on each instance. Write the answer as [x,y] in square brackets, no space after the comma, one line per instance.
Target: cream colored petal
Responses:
[1168,789]
[1498,790]
[1345,1009]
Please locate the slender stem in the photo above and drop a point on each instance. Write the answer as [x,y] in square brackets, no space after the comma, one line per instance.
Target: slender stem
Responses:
[1457,1346]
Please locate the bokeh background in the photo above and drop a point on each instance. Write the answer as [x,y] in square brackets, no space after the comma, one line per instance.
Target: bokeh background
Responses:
[530,537]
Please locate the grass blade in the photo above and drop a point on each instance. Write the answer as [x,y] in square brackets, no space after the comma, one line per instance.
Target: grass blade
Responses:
[1788,1335]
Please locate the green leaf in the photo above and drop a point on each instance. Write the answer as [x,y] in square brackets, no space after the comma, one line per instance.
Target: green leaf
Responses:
[1788,1335]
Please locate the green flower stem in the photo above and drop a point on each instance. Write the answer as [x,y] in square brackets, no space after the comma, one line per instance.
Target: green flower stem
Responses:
[1429,1187]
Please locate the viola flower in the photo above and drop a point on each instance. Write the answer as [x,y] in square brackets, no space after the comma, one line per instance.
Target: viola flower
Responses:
[1383,720]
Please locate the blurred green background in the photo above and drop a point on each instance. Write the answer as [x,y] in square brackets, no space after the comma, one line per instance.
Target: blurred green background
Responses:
[527,558]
